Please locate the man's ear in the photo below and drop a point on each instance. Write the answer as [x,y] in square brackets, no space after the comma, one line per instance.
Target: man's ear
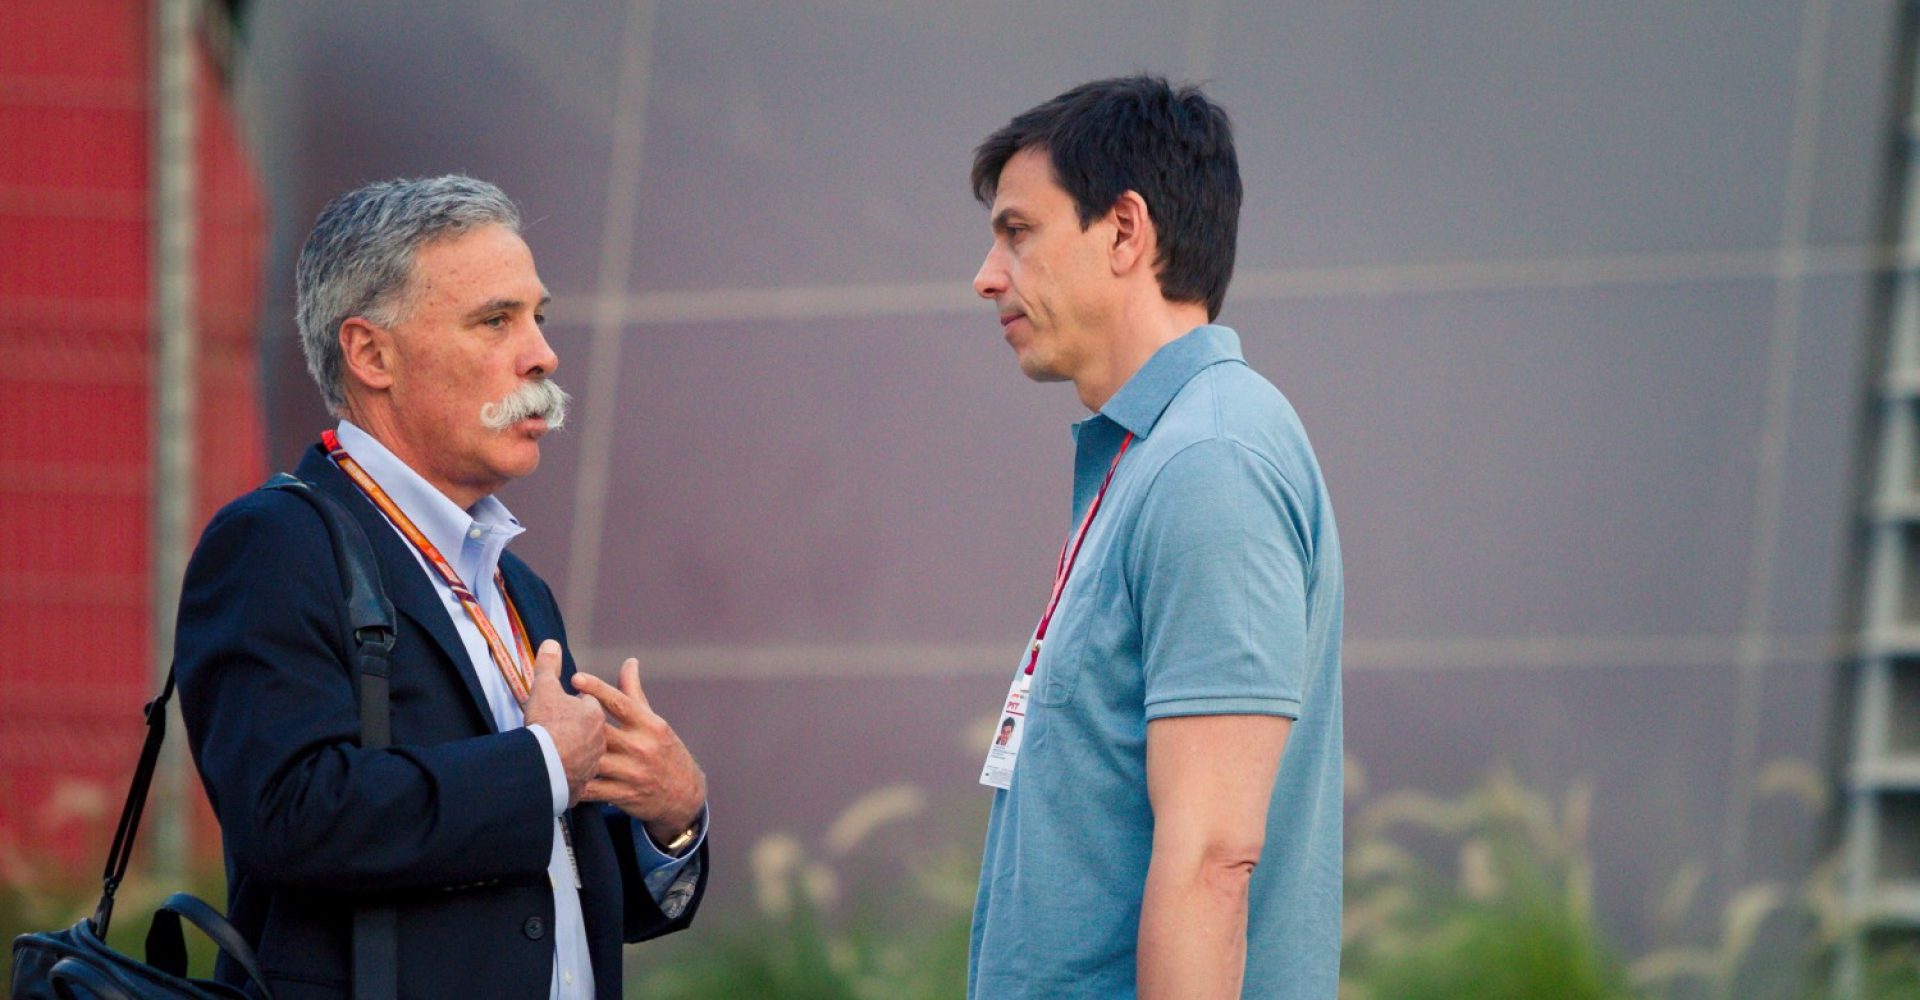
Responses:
[367,351]
[1134,240]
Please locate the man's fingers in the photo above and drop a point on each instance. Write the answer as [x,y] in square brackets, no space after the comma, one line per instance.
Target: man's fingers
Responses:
[599,789]
[546,663]
[612,700]
[630,683]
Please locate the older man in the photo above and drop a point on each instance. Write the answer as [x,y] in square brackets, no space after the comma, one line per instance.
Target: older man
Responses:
[518,836]
[1169,820]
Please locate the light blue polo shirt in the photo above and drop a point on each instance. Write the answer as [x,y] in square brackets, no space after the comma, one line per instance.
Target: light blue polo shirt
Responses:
[1209,584]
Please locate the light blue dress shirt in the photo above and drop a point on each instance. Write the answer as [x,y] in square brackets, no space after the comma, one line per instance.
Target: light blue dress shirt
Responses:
[472,541]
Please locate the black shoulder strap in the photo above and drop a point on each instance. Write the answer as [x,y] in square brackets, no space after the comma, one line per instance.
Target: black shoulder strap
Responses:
[122,849]
[376,957]
[369,613]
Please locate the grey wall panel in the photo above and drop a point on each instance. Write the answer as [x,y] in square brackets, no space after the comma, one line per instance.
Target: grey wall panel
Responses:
[1857,67]
[1536,462]
[876,479]
[1387,132]
[828,142]
[1822,487]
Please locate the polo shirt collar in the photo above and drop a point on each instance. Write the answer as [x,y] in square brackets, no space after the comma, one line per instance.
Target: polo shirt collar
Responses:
[451,529]
[1139,403]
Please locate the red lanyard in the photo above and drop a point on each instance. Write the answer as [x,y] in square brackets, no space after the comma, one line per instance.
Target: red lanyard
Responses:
[1070,554]
[518,673]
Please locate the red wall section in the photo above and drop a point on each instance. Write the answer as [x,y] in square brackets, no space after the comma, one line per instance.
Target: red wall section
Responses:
[75,404]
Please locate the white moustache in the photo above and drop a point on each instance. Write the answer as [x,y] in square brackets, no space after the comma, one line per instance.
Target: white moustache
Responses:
[537,398]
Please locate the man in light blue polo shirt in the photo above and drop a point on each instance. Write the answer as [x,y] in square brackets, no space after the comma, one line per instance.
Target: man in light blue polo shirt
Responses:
[1168,819]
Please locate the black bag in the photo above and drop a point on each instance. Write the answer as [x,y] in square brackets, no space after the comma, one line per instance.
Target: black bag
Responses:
[76,964]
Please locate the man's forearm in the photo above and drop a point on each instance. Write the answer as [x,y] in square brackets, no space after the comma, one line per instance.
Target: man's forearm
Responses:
[1193,927]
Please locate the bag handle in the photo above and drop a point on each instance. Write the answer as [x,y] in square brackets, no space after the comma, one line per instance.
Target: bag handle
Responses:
[167,946]
[93,984]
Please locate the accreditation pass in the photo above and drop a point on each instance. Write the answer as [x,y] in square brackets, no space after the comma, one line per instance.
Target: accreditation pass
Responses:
[1008,730]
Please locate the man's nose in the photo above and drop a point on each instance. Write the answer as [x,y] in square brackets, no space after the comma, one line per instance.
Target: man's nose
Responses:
[539,361]
[991,279]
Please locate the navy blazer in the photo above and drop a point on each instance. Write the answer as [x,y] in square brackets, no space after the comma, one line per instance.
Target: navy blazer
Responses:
[452,825]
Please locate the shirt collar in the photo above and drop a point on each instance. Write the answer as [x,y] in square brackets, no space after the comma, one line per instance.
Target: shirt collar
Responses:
[440,519]
[1139,403]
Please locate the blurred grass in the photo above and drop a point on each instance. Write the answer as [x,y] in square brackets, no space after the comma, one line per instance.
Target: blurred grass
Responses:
[1511,920]
[1485,895]
[1489,895]
[901,936]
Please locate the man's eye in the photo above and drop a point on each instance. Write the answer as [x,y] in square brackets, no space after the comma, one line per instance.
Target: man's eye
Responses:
[540,319]
[497,322]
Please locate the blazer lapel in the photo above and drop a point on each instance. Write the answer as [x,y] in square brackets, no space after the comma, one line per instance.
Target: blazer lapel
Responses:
[408,588]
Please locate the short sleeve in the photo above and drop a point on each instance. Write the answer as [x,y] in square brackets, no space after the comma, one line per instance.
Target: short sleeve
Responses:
[1218,570]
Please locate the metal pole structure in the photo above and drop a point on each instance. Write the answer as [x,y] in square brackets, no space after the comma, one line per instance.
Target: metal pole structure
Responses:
[172,243]
[1881,784]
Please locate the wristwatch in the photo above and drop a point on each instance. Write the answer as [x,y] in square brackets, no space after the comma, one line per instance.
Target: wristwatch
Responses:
[678,845]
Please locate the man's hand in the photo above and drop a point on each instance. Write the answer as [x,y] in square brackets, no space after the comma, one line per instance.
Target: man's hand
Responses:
[578,729]
[646,772]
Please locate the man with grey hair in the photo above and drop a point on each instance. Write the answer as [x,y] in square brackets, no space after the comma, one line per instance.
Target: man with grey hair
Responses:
[526,819]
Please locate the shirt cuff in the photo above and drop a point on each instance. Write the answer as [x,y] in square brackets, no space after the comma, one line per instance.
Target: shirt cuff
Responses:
[658,865]
[556,773]
[1223,705]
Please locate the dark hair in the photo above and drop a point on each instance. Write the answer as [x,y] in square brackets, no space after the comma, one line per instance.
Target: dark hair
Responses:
[1006,722]
[1137,133]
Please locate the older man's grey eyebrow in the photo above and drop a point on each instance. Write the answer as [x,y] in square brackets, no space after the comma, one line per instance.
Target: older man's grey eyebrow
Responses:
[492,306]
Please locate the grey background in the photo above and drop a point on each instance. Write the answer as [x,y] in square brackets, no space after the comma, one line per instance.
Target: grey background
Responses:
[1576,301]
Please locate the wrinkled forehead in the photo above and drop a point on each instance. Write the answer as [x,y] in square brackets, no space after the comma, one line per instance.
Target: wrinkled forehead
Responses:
[485,266]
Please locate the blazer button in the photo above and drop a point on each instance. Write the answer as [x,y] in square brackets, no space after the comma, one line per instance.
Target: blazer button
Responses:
[534,928]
